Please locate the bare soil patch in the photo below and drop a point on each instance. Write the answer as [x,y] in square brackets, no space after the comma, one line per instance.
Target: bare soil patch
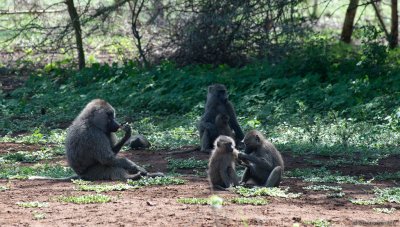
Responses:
[158,206]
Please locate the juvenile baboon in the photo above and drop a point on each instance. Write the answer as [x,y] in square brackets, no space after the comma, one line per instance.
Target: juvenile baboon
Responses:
[138,142]
[221,166]
[264,163]
[217,103]
[222,124]
[92,146]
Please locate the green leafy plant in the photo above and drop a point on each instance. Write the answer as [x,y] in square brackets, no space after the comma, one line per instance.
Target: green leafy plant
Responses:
[3,188]
[264,191]
[385,210]
[251,201]
[85,199]
[318,223]
[150,181]
[214,201]
[16,171]
[323,188]
[335,195]
[190,163]
[33,204]
[198,201]
[38,216]
[89,186]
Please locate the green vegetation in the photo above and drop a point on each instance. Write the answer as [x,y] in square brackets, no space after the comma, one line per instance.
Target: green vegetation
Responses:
[250,201]
[318,223]
[322,175]
[3,188]
[198,201]
[38,215]
[33,204]
[85,199]
[388,176]
[385,210]
[367,202]
[335,195]
[30,157]
[382,195]
[16,171]
[299,103]
[89,186]
[323,188]
[151,181]
[214,201]
[273,192]
[217,201]
[391,195]
[190,163]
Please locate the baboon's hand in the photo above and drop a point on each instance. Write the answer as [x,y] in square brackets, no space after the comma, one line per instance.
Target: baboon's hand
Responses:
[127,128]
[240,145]
[243,163]
[143,173]
[240,156]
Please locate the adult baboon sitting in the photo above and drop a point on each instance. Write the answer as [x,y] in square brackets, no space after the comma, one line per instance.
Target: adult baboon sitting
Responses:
[217,103]
[92,147]
[264,163]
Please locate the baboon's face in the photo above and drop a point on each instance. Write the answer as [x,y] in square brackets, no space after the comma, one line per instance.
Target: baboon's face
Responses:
[104,118]
[251,142]
[223,118]
[227,146]
[226,143]
[113,125]
[219,91]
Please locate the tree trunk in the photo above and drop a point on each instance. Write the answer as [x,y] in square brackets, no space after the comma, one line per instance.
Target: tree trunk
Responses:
[78,32]
[348,23]
[394,30]
[315,9]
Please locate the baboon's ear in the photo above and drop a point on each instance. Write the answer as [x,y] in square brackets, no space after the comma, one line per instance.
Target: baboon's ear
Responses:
[209,88]
[219,144]
[258,138]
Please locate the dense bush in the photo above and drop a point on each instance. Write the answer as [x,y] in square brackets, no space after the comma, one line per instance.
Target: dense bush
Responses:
[318,79]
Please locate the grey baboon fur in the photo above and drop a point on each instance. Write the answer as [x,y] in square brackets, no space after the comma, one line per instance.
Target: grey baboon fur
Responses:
[138,142]
[264,163]
[92,146]
[221,166]
[217,103]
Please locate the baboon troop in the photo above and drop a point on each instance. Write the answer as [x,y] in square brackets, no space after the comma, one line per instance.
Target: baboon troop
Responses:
[221,166]
[264,163]
[217,103]
[92,146]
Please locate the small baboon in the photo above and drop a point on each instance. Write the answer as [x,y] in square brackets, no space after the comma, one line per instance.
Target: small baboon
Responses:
[222,124]
[217,103]
[138,142]
[264,163]
[92,146]
[221,166]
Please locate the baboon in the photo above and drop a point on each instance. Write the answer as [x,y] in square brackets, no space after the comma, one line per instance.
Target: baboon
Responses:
[221,166]
[138,142]
[222,124]
[92,146]
[264,163]
[217,103]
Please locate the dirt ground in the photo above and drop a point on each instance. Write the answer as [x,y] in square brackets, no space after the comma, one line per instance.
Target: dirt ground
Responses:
[157,205]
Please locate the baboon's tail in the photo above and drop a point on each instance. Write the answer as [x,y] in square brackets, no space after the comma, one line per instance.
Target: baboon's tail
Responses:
[74,177]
